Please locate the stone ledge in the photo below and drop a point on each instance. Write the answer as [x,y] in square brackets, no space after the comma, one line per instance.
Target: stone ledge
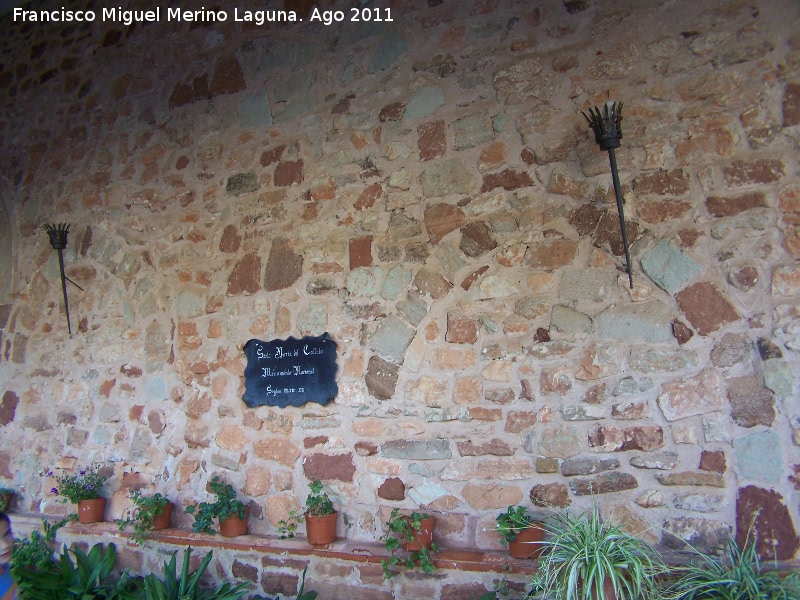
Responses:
[472,560]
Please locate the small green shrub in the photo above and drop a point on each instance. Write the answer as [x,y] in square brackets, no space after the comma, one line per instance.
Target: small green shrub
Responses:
[223,507]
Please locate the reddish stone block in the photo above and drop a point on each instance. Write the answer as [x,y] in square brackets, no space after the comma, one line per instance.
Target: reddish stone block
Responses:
[517,421]
[713,460]
[431,140]
[470,279]
[325,467]
[508,179]
[494,447]
[360,252]
[553,254]
[288,172]
[279,449]
[392,489]
[764,171]
[663,210]
[243,571]
[461,330]
[476,238]
[705,307]
[763,513]
[381,378]
[8,407]
[182,94]
[392,112]
[663,183]
[230,240]
[550,494]
[719,206]
[441,219]
[370,195]
[284,267]
[246,276]
[228,77]
[791,105]
[280,583]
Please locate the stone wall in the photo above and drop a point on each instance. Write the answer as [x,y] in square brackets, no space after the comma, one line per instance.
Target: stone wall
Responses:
[426,191]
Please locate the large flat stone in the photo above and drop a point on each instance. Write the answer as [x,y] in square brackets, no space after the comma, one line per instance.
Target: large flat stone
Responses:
[647,322]
[696,395]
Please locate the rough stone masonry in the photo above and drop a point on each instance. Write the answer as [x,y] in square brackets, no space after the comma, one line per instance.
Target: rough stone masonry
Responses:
[426,191]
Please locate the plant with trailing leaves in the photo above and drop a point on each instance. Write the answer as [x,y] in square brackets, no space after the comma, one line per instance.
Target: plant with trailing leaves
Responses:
[224,506]
[402,529]
[511,522]
[738,574]
[584,553]
[318,504]
[141,514]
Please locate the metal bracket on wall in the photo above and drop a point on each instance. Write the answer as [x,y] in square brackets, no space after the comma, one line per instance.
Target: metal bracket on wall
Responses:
[58,240]
[607,133]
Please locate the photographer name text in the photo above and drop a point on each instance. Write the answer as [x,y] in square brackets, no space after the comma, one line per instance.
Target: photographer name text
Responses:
[155,15]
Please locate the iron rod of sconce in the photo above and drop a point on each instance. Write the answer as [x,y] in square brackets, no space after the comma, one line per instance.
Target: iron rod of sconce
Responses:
[58,240]
[607,133]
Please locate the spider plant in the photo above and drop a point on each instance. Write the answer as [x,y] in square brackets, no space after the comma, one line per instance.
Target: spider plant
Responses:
[738,574]
[586,557]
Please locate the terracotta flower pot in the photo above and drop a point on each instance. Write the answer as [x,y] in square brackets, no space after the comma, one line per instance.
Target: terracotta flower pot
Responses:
[161,520]
[91,511]
[233,525]
[528,543]
[422,538]
[321,530]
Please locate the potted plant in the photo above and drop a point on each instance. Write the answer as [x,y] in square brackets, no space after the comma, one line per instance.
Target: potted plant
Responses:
[146,514]
[414,534]
[6,498]
[520,532]
[585,557]
[84,489]
[320,518]
[231,512]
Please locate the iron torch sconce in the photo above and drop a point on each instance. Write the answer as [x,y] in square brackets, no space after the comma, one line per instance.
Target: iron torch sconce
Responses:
[607,133]
[58,240]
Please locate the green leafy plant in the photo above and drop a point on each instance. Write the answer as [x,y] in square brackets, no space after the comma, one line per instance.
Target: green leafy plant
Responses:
[318,504]
[738,574]
[187,585]
[86,484]
[585,553]
[33,566]
[89,576]
[6,497]
[224,506]
[511,522]
[141,514]
[402,529]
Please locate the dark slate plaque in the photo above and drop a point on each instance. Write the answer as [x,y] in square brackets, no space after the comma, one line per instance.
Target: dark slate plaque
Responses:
[290,372]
